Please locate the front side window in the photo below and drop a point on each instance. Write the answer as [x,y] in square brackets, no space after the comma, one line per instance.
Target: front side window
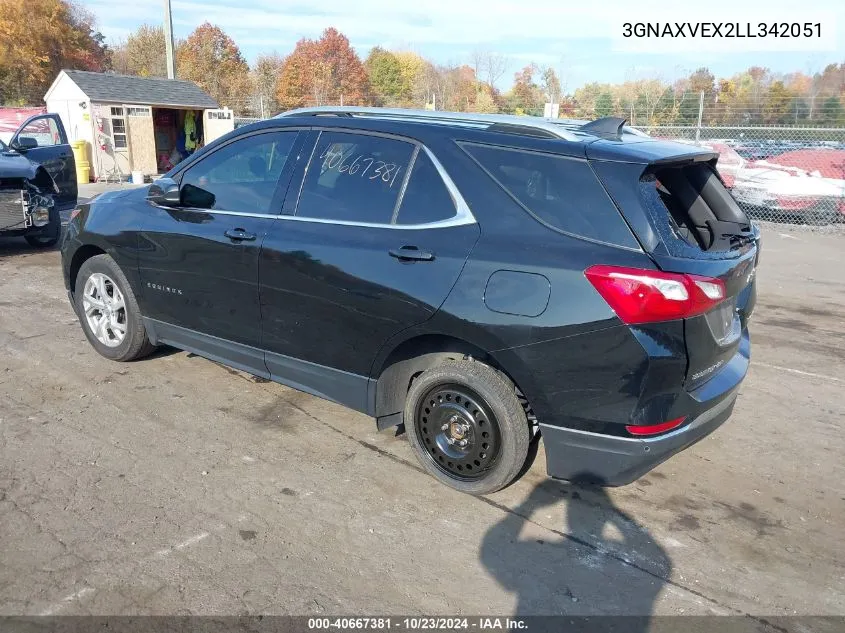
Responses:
[242,176]
[354,178]
[43,131]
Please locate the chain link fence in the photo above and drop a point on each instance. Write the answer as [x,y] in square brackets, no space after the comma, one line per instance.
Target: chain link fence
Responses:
[240,121]
[787,175]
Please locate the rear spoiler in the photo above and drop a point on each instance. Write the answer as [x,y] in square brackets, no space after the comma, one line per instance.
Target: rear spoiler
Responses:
[647,151]
[609,127]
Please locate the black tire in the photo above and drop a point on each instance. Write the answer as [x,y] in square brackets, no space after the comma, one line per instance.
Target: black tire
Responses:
[499,404]
[46,241]
[136,344]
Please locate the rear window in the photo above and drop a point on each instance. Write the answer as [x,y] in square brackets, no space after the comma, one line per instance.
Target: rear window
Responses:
[562,192]
[698,207]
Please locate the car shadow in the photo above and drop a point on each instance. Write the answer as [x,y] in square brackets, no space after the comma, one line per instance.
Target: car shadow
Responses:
[161,351]
[10,246]
[599,561]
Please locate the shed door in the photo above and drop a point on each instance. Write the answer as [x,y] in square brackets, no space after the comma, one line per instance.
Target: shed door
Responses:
[139,126]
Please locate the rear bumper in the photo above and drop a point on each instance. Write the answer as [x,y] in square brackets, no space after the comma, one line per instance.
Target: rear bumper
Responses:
[615,461]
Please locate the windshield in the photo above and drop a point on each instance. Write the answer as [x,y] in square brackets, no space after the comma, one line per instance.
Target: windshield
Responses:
[3,146]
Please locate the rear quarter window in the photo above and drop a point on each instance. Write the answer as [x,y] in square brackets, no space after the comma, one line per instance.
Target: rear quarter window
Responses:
[561,192]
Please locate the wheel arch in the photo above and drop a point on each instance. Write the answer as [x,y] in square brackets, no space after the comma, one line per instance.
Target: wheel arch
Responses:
[408,359]
[82,254]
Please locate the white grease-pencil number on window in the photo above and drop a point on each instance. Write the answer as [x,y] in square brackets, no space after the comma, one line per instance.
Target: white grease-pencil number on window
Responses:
[361,165]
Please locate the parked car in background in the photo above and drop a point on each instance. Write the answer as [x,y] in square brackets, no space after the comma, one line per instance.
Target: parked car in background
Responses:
[730,163]
[800,186]
[37,180]
[483,280]
[806,185]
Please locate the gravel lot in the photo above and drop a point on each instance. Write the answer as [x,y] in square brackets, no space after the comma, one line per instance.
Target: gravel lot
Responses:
[177,486]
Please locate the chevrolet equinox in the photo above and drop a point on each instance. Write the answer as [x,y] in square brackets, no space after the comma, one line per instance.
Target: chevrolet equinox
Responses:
[483,280]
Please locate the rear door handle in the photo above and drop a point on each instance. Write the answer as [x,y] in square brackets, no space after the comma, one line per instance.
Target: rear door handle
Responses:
[239,235]
[411,254]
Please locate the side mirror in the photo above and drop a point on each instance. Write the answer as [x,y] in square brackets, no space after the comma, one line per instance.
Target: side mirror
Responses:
[164,192]
[24,143]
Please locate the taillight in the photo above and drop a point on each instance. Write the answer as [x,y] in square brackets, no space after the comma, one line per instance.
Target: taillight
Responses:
[646,296]
[654,429]
[74,213]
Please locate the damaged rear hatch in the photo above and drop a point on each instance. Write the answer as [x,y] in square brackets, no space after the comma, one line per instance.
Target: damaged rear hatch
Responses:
[686,220]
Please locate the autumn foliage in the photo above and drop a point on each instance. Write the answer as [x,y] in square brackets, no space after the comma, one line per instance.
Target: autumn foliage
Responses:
[142,53]
[212,60]
[38,38]
[322,71]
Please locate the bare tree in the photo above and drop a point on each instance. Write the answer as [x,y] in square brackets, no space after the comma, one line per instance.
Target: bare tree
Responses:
[476,62]
[496,67]
[265,76]
[488,66]
[550,83]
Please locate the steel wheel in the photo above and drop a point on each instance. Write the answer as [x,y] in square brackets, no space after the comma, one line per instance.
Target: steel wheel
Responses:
[105,309]
[458,431]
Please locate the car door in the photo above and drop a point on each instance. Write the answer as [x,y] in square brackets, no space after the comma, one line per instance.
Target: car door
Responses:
[375,245]
[42,139]
[198,261]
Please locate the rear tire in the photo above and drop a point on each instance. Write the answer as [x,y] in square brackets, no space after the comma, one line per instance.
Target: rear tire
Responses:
[467,426]
[108,311]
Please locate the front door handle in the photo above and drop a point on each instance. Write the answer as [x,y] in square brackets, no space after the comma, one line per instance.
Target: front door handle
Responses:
[239,235]
[411,254]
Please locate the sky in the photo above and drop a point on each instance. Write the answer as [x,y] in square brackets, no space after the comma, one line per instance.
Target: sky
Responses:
[582,40]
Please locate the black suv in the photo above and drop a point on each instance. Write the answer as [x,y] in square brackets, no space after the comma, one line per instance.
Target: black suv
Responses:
[483,280]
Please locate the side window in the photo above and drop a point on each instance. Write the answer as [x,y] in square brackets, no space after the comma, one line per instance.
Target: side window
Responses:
[426,197]
[242,176]
[354,177]
[43,131]
[562,192]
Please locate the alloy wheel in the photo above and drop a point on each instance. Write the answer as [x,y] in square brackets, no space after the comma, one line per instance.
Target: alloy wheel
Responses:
[105,309]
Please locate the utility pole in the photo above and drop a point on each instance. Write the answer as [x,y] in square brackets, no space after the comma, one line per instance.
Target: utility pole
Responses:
[168,41]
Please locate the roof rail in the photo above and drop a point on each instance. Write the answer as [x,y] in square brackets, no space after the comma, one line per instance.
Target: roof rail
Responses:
[506,123]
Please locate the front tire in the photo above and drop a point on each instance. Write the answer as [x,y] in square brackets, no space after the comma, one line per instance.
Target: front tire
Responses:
[46,241]
[108,311]
[467,426]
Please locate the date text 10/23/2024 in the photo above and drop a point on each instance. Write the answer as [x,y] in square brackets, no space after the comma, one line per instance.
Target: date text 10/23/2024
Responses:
[418,623]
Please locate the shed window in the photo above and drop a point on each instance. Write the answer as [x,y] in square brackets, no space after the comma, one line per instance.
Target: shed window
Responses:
[118,128]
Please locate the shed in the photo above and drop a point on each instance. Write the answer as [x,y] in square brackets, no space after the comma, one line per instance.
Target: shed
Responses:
[135,124]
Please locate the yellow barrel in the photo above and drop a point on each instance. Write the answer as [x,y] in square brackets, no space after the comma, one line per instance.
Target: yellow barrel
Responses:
[83,172]
[83,167]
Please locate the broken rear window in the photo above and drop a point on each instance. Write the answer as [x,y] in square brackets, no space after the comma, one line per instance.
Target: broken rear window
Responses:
[697,205]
